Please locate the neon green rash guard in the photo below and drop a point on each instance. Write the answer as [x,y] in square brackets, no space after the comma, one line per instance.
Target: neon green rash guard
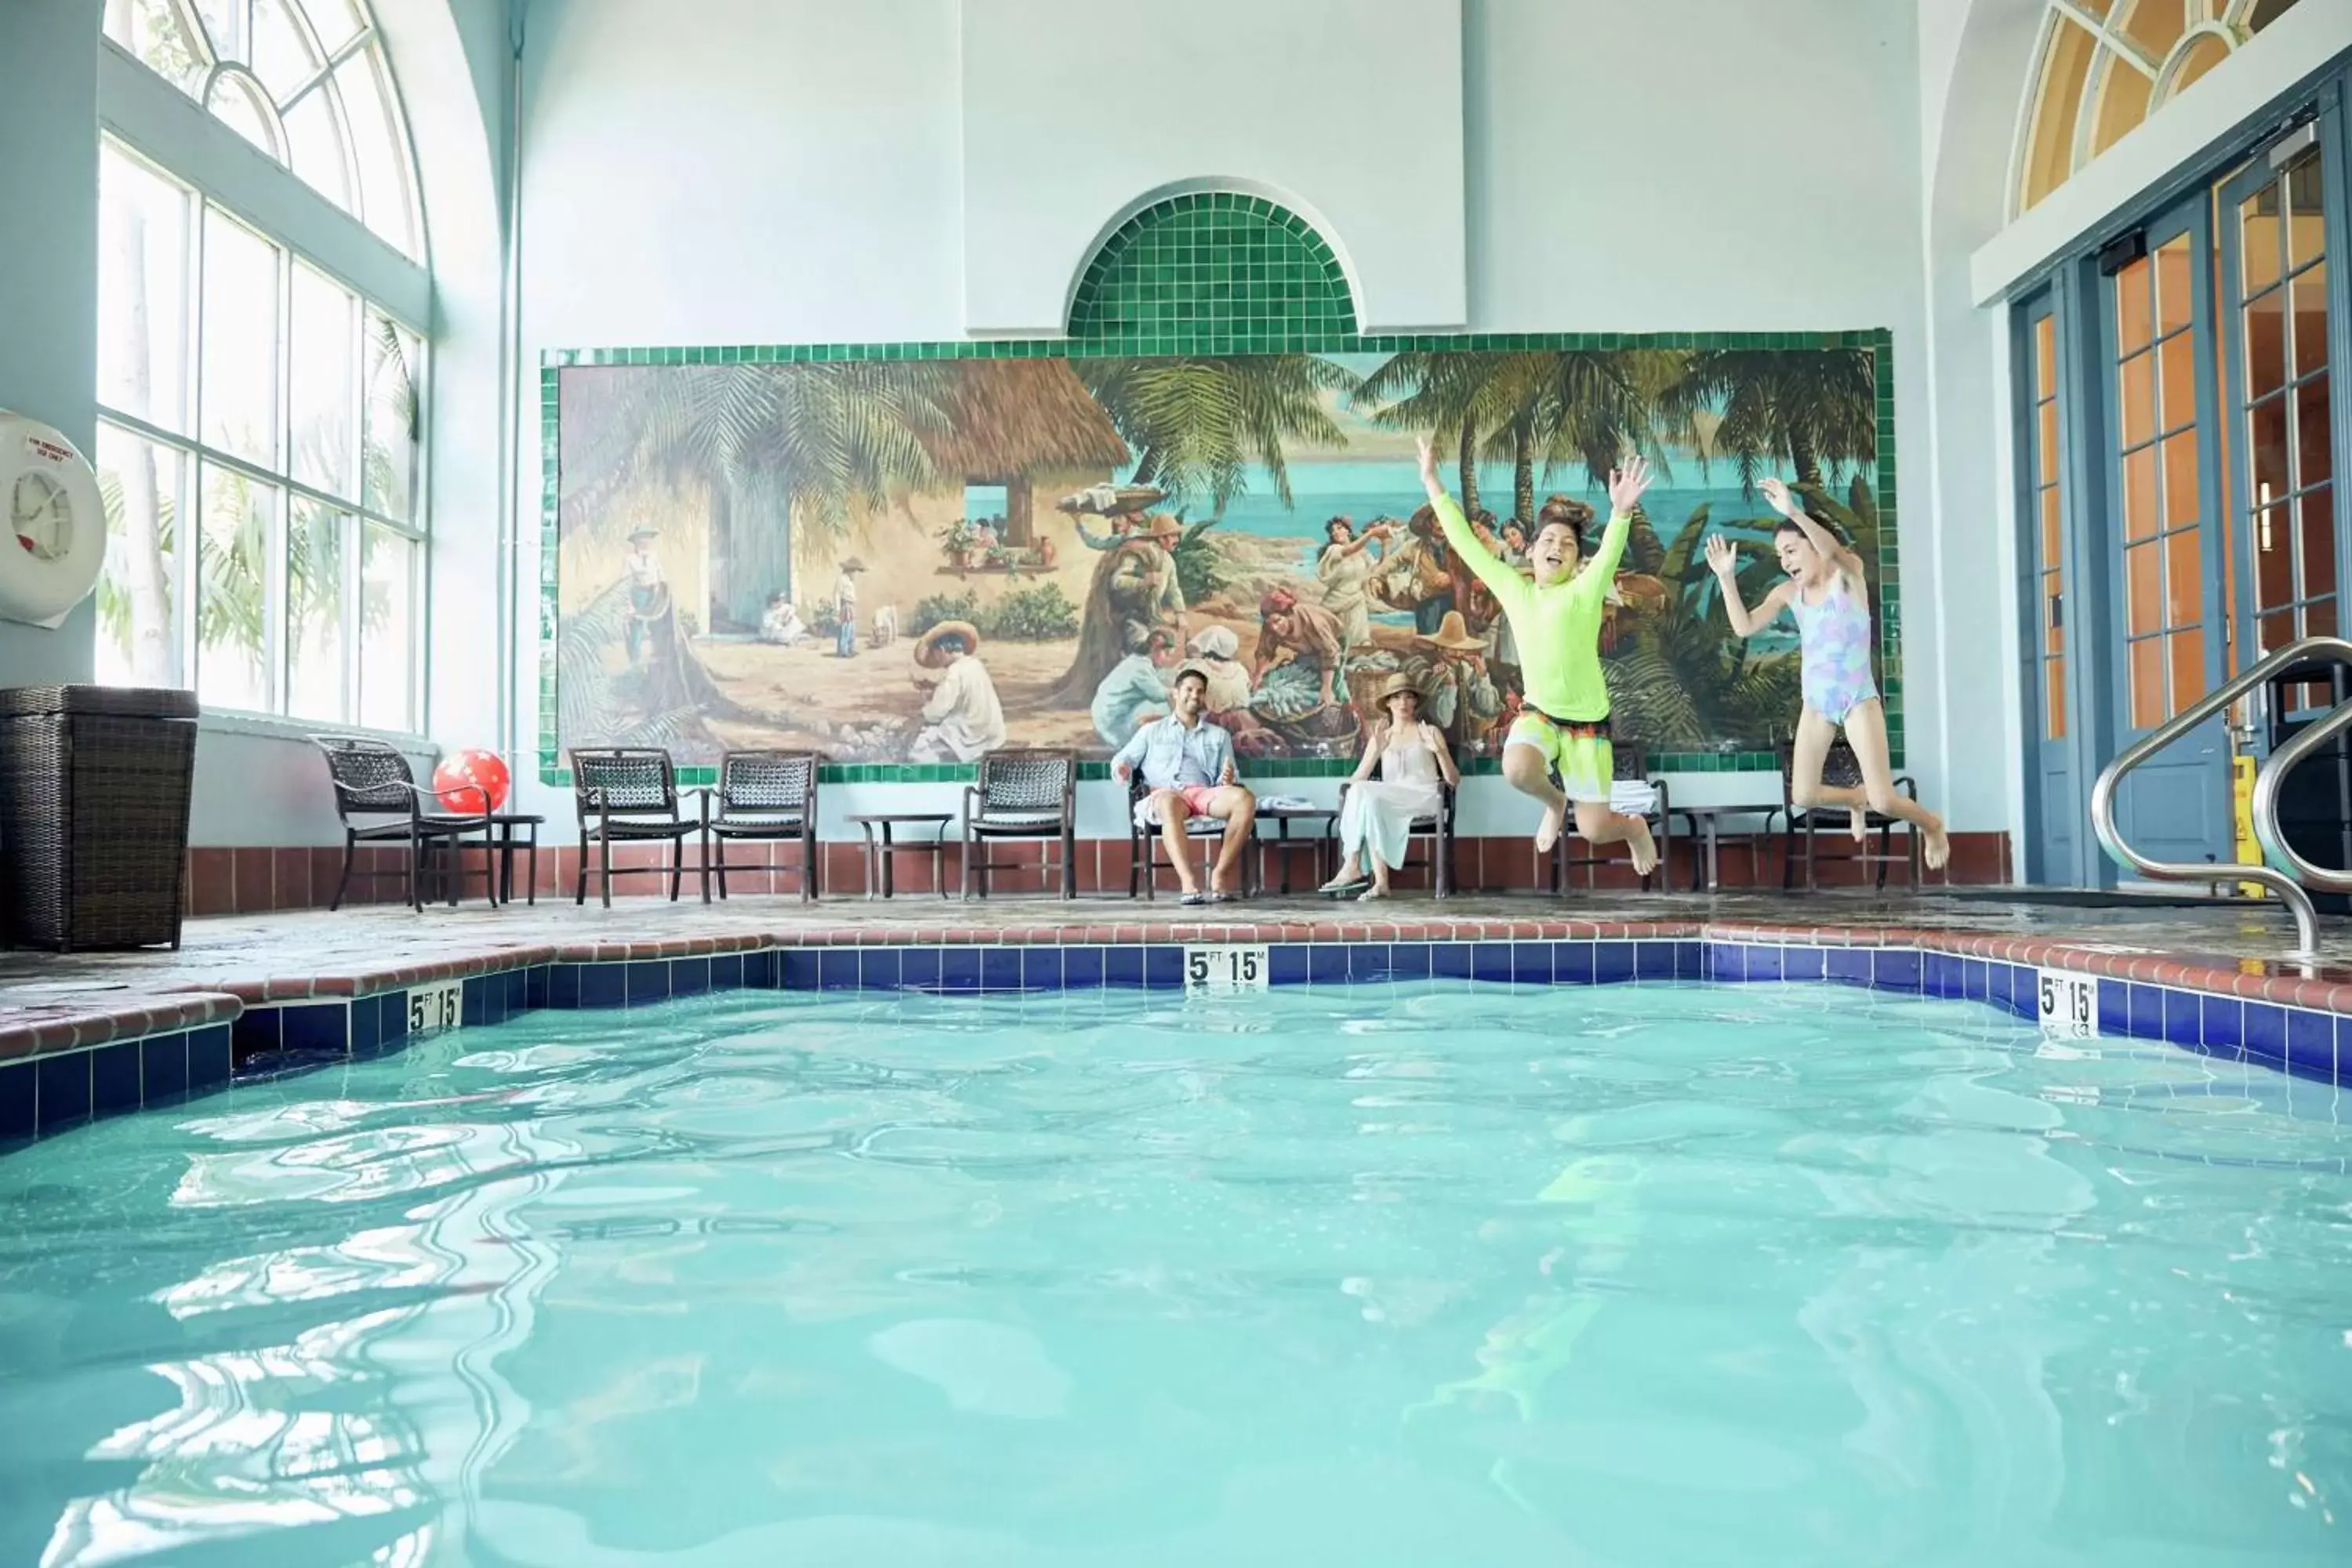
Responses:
[1557,627]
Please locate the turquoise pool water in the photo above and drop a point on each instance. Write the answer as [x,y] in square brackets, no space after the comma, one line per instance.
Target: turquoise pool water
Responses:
[1425,1274]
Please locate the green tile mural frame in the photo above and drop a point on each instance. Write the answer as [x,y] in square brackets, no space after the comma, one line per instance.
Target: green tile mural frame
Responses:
[1214,273]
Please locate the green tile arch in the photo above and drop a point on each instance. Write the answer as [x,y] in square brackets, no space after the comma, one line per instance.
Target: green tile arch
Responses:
[1212,266]
[1214,335]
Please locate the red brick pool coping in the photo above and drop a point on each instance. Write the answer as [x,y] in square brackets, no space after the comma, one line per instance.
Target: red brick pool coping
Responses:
[74,1022]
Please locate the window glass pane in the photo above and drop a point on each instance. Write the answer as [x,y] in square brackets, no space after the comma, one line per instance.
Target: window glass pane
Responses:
[2177,362]
[382,153]
[2315,458]
[239,384]
[2045,357]
[150,30]
[2318,509]
[2123,104]
[2065,70]
[392,423]
[2204,52]
[2258,235]
[233,590]
[2188,667]
[2147,683]
[316,142]
[2180,497]
[2050,543]
[2053,706]
[2264,323]
[2266,443]
[2133,304]
[2144,569]
[315,536]
[2138,374]
[323,376]
[387,626]
[2140,511]
[2175,275]
[2310,288]
[2046,441]
[2306,233]
[143,485]
[2274,558]
[336,21]
[142,292]
[2155,25]
[2183,582]
[282,58]
[236,102]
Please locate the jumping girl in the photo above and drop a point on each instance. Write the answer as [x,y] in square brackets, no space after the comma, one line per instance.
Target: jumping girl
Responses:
[1830,596]
[1563,724]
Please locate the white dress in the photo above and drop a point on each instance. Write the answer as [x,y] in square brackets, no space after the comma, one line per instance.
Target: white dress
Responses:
[1377,818]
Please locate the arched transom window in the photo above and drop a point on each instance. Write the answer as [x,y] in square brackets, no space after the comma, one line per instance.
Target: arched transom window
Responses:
[2104,66]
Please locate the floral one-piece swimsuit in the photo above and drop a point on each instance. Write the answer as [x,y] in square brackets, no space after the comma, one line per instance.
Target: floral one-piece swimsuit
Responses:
[1833,639]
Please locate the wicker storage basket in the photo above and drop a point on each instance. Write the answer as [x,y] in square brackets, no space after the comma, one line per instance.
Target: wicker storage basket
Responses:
[94,788]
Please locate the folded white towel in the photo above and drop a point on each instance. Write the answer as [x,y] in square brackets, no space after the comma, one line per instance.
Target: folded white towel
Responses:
[1633,797]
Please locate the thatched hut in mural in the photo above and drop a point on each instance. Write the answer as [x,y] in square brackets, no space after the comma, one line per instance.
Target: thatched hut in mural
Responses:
[1029,426]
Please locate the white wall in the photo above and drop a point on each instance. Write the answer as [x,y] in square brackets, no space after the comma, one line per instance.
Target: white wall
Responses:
[740,172]
[49,272]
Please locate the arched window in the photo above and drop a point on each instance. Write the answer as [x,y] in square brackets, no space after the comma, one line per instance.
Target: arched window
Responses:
[261,362]
[2104,66]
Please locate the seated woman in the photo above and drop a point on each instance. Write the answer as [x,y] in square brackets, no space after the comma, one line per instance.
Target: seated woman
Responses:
[1376,819]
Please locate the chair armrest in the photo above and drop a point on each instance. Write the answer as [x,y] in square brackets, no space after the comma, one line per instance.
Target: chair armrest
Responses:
[1908,785]
[1665,802]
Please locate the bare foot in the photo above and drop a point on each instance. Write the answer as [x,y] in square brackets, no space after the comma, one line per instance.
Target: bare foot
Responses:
[1643,849]
[1369,894]
[1937,846]
[1548,830]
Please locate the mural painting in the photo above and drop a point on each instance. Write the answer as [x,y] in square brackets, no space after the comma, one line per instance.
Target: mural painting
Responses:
[919,560]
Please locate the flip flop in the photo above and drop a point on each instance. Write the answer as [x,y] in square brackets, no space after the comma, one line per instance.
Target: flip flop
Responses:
[1342,889]
[1193,899]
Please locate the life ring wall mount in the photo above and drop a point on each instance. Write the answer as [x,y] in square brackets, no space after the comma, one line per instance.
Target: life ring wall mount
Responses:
[54,549]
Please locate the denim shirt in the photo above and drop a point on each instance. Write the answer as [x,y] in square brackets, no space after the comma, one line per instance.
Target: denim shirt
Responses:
[1172,757]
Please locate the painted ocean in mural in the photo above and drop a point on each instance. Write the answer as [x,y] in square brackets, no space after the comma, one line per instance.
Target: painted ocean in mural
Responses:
[820,555]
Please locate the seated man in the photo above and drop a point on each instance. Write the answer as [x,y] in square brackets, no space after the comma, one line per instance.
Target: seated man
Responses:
[1187,765]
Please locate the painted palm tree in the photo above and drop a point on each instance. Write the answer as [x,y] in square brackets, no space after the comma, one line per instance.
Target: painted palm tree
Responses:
[1197,423]
[1680,680]
[1816,410]
[1440,391]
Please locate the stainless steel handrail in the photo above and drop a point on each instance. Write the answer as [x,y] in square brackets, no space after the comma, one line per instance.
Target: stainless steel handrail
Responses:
[2267,782]
[2102,793]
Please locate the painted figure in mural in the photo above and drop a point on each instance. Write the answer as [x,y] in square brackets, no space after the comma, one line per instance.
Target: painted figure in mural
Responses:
[1828,591]
[1301,656]
[1418,575]
[1215,651]
[962,717]
[886,626]
[844,607]
[1449,668]
[648,590]
[1376,816]
[1563,725]
[1345,566]
[780,622]
[1134,585]
[1187,764]
[1136,690]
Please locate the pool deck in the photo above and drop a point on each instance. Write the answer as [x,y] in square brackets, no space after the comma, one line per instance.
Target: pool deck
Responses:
[50,1003]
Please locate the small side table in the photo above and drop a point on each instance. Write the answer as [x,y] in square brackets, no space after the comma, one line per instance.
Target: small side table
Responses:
[503,825]
[1323,821]
[1706,823]
[879,849]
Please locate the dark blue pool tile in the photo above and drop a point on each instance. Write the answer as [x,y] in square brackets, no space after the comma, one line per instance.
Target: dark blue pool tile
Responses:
[1612,962]
[2114,1008]
[2223,1026]
[1163,966]
[881,968]
[604,985]
[114,1076]
[476,1003]
[1848,965]
[1490,961]
[1000,968]
[163,1066]
[2147,1011]
[65,1087]
[1764,963]
[836,968]
[1939,974]
[2265,1032]
[534,984]
[367,1026]
[18,1090]
[1042,968]
[960,969]
[563,986]
[1123,965]
[1409,961]
[690,976]
[1803,963]
[2311,1044]
[1082,967]
[763,970]
[1451,959]
[1895,969]
[1286,964]
[1728,961]
[2184,1018]
[1368,960]
[258,1031]
[319,1026]
[727,972]
[648,981]
[210,1061]
[919,966]
[1653,961]
[518,989]
[796,968]
[1976,985]
[1531,962]
[1690,961]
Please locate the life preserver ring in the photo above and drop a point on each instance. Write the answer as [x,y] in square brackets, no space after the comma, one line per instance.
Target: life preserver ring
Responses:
[54,544]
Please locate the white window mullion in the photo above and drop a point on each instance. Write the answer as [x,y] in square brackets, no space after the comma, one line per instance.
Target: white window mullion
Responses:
[187,526]
[354,524]
[277,637]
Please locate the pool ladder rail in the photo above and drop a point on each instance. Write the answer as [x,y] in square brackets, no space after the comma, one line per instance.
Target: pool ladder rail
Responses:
[2285,872]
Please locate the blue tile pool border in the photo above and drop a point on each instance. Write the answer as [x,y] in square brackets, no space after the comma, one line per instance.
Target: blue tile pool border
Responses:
[51,1092]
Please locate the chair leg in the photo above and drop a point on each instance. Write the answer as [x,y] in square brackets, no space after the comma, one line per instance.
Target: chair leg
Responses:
[531,869]
[705,869]
[350,853]
[604,869]
[579,889]
[415,875]
[1069,861]
[677,866]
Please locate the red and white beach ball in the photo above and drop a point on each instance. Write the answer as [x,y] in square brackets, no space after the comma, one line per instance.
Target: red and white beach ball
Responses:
[472,783]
